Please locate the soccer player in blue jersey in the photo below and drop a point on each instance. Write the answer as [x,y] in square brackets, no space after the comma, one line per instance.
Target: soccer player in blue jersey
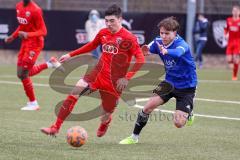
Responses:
[180,75]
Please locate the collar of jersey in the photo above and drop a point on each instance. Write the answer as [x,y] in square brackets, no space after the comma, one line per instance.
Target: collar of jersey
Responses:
[117,31]
[167,46]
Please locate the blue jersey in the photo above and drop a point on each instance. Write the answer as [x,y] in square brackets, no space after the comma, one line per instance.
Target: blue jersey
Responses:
[179,63]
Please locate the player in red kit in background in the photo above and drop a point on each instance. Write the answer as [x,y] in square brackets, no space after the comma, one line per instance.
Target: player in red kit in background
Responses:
[31,30]
[232,33]
[110,76]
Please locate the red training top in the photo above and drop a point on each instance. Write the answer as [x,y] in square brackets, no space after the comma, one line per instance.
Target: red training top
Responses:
[30,20]
[117,52]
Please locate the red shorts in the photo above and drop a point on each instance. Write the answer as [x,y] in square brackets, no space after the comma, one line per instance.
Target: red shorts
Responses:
[28,55]
[233,48]
[109,94]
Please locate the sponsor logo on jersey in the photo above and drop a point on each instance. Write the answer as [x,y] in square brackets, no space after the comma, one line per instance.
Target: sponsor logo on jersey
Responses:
[169,63]
[28,14]
[125,45]
[233,28]
[118,40]
[110,48]
[218,33]
[22,20]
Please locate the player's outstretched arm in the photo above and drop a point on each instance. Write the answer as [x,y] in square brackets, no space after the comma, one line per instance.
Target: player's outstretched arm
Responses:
[23,34]
[8,39]
[137,65]
[177,52]
[84,49]
[226,31]
[13,36]
[87,47]
[123,82]
[162,49]
[64,58]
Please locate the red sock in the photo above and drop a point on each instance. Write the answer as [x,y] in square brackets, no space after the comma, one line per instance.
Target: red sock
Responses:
[65,110]
[28,88]
[108,120]
[235,69]
[37,69]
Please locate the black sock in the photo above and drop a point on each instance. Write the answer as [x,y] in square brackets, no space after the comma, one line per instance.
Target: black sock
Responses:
[141,122]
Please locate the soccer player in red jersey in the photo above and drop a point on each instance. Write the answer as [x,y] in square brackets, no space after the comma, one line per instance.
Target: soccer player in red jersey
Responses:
[232,32]
[31,30]
[110,76]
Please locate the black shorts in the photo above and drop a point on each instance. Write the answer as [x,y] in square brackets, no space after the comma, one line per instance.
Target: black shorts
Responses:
[184,97]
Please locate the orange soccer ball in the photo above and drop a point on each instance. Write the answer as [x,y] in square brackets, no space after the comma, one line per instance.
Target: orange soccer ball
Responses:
[76,136]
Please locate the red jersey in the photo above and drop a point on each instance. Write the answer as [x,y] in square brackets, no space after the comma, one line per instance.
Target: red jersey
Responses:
[30,20]
[117,52]
[233,29]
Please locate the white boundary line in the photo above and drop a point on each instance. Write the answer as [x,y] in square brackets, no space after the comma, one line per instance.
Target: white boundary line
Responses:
[36,77]
[35,84]
[218,101]
[73,77]
[198,115]
[19,83]
[137,100]
[145,99]
[198,99]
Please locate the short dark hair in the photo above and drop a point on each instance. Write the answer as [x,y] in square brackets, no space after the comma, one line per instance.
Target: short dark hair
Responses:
[169,23]
[114,10]
[236,6]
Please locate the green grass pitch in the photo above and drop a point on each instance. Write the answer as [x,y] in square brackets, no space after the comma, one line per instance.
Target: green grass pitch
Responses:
[208,138]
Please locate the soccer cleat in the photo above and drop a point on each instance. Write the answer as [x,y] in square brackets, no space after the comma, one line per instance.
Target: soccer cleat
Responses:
[52,131]
[54,62]
[129,140]
[31,107]
[234,78]
[102,129]
[190,119]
